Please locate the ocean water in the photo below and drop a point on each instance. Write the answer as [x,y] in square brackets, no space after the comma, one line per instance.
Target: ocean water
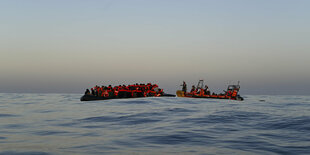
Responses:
[57,124]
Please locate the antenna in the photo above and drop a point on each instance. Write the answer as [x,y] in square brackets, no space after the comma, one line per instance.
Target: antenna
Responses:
[200,84]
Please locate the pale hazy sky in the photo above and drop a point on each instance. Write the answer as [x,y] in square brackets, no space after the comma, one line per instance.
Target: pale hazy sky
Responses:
[65,46]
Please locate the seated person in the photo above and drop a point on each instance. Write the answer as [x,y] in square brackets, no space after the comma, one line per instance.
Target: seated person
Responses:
[193,89]
[207,90]
[87,92]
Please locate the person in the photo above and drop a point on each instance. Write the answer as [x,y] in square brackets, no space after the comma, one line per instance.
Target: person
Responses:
[87,92]
[207,90]
[105,92]
[229,93]
[99,91]
[93,91]
[193,89]
[160,92]
[184,88]
[110,87]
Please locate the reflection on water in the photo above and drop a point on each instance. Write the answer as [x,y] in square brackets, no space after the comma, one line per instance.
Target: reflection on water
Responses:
[41,124]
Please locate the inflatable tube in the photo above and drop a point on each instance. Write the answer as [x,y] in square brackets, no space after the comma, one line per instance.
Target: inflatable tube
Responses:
[167,95]
[94,98]
[182,94]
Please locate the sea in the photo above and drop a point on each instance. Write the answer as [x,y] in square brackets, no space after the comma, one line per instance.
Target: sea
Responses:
[60,124]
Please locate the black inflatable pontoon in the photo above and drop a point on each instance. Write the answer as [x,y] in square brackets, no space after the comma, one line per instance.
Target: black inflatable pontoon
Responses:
[93,98]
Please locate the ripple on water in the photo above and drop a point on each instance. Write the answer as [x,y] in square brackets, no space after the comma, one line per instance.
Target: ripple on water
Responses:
[227,117]
[3,138]
[23,153]
[123,120]
[177,110]
[134,101]
[8,115]
[189,138]
[16,126]
[50,133]
[134,119]
[298,123]
[254,144]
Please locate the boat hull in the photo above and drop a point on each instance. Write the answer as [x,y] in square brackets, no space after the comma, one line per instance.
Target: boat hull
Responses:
[94,98]
[182,94]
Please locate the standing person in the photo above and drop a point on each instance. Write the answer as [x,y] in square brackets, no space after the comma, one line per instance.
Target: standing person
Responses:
[184,87]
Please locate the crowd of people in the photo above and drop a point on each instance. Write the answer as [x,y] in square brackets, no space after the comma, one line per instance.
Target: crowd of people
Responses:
[195,90]
[206,91]
[126,91]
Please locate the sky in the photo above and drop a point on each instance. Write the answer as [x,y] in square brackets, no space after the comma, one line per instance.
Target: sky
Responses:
[66,46]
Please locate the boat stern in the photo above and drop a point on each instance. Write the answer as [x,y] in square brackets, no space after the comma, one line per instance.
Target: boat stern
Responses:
[180,93]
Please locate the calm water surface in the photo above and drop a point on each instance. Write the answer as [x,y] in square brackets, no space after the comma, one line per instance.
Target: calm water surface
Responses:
[56,124]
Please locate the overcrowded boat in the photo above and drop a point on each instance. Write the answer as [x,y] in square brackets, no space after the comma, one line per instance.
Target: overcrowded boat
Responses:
[199,92]
[124,91]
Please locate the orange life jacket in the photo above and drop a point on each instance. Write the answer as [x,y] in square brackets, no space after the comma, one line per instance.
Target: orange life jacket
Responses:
[115,92]
[234,94]
[106,94]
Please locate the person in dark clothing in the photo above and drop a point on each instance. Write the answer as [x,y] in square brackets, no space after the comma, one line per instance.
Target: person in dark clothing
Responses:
[87,92]
[184,88]
[207,90]
[92,91]
[193,89]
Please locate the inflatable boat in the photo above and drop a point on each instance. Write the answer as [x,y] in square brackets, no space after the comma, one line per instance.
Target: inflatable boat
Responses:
[87,97]
[199,92]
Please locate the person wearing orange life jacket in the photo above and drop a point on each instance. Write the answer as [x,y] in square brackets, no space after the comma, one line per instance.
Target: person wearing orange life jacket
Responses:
[132,90]
[201,92]
[128,87]
[142,87]
[115,89]
[100,91]
[229,93]
[145,89]
[160,92]
[110,92]
[128,92]
[148,86]
[104,92]
[139,92]
[124,92]
[151,91]
[155,88]
[137,86]
[234,93]
[121,91]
